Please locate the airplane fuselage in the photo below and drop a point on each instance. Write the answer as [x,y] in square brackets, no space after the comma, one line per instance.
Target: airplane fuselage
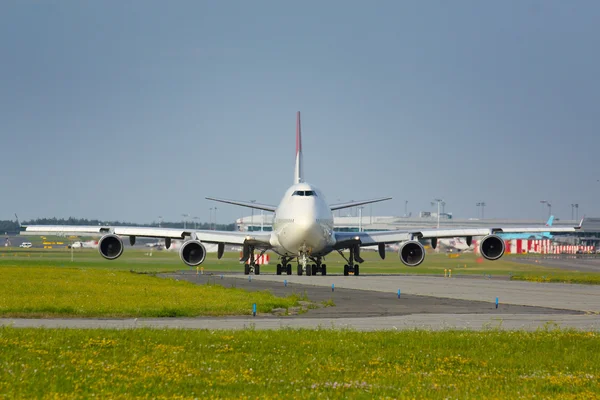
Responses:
[303,223]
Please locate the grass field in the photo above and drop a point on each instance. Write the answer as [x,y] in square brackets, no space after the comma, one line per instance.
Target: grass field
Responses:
[87,292]
[144,363]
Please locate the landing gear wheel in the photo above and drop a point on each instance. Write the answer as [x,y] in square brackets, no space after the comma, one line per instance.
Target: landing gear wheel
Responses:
[323,269]
[299,270]
[278,269]
[288,269]
[314,269]
[309,270]
[351,267]
[246,269]
[257,269]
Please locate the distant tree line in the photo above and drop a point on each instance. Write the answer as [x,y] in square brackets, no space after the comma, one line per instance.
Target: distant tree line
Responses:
[9,226]
[13,227]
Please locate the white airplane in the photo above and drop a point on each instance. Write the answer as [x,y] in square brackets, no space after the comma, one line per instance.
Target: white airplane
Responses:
[302,231]
[156,245]
[454,244]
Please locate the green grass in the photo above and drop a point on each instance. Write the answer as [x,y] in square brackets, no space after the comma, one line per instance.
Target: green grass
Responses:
[552,277]
[69,292]
[145,363]
[132,259]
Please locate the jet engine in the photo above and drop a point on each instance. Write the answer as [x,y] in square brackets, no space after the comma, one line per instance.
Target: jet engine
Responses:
[110,246]
[192,253]
[492,247]
[412,253]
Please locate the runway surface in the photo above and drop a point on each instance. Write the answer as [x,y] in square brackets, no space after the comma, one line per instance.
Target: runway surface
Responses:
[371,303]
[560,296]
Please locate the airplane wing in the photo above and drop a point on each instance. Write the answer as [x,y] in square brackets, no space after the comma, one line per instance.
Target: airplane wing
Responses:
[339,206]
[376,237]
[249,204]
[261,239]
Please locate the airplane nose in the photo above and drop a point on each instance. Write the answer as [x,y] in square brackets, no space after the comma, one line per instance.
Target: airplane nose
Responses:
[305,222]
[304,232]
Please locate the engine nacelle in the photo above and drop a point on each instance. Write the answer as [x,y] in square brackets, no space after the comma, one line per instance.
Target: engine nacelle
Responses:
[412,253]
[192,253]
[491,247]
[110,246]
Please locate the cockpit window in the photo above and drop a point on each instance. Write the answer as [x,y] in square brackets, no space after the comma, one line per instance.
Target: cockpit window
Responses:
[304,193]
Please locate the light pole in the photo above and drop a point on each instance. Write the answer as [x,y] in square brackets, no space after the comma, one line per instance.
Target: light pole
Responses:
[438,201]
[443,207]
[185,220]
[210,218]
[252,216]
[160,220]
[549,204]
[360,218]
[482,205]
[575,210]
[215,228]
[195,222]
[406,208]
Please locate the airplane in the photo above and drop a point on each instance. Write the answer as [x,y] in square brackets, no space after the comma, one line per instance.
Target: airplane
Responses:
[541,235]
[302,231]
[458,244]
[156,245]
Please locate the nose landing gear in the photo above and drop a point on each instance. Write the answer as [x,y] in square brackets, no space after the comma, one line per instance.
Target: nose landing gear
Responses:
[303,265]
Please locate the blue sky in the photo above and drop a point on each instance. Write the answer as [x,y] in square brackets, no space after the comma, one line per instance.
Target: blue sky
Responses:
[133,109]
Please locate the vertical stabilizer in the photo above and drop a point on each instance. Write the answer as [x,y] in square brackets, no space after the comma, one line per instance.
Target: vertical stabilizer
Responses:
[298,172]
[550,221]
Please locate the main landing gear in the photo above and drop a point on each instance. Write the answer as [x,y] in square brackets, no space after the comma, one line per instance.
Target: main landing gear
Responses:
[351,267]
[284,267]
[253,266]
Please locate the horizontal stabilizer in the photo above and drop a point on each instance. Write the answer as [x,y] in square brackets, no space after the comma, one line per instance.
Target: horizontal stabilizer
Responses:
[339,206]
[248,204]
